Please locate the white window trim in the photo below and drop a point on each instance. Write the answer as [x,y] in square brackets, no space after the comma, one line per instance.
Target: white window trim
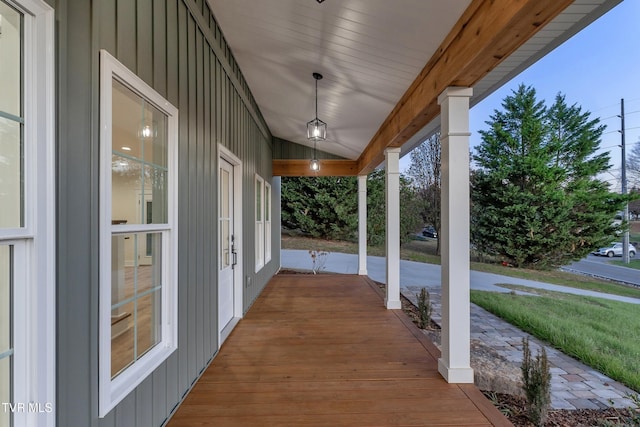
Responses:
[259,224]
[112,391]
[34,244]
[267,221]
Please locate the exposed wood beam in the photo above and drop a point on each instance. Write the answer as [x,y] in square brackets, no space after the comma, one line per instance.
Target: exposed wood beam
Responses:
[486,34]
[328,167]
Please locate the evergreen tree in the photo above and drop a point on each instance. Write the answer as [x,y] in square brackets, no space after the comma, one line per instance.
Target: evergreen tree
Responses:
[327,207]
[634,204]
[536,197]
[376,215]
[321,206]
[376,209]
[410,210]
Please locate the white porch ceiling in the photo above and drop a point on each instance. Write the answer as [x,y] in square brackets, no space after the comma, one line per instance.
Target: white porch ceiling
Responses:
[369,52]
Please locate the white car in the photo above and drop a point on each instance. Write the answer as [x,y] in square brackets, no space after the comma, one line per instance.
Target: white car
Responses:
[615,249]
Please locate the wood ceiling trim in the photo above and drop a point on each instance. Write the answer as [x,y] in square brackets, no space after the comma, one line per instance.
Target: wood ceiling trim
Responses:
[486,34]
[328,167]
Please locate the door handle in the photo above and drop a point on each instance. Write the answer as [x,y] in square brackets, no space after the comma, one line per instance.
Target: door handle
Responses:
[233,252]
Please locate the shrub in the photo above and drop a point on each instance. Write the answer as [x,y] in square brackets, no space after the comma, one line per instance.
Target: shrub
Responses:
[424,309]
[318,259]
[536,379]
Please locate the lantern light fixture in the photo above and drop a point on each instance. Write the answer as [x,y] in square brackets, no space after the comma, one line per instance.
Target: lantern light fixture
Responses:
[315,163]
[316,128]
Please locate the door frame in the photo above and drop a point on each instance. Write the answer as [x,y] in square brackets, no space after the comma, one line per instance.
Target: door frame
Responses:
[238,299]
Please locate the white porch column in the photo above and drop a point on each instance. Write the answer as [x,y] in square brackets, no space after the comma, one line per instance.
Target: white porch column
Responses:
[455,364]
[392,167]
[362,225]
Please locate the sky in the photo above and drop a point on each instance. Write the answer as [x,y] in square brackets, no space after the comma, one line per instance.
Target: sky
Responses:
[594,69]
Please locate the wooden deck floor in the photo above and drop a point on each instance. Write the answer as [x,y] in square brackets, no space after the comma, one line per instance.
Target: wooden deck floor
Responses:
[323,351]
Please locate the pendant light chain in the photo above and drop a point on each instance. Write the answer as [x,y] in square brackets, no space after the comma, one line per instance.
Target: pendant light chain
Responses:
[316,130]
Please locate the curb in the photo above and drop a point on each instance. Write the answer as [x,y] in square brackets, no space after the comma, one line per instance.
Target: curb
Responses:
[598,276]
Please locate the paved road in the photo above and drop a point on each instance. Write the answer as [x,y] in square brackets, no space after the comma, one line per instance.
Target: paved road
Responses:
[601,267]
[427,275]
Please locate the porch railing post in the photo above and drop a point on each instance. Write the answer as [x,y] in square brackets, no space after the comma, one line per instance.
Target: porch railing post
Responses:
[454,364]
[362,225]
[392,167]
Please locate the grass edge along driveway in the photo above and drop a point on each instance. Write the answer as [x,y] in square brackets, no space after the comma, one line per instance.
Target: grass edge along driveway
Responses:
[601,333]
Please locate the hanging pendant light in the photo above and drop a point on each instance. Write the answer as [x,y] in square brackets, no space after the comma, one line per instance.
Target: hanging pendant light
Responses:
[315,163]
[316,128]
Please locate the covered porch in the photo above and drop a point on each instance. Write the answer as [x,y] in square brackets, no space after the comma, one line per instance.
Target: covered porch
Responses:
[384,91]
[324,350]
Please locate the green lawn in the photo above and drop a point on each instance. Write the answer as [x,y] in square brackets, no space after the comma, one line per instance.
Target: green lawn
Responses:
[634,263]
[561,278]
[601,333]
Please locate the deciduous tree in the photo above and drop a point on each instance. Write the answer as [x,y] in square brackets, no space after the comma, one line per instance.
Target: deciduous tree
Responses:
[424,172]
[633,165]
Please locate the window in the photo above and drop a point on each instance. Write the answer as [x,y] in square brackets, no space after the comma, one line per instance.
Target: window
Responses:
[27,203]
[259,223]
[6,329]
[138,232]
[11,118]
[267,222]
[263,222]
[11,186]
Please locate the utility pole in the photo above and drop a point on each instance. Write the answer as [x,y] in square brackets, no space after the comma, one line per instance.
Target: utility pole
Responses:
[625,215]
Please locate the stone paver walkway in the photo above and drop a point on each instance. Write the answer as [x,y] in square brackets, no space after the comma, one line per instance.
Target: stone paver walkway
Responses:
[573,384]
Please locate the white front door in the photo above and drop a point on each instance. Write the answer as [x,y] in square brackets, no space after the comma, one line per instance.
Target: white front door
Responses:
[226,249]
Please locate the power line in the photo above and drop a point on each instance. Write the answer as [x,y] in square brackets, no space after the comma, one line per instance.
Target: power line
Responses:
[616,105]
[609,146]
[616,130]
[617,116]
[605,107]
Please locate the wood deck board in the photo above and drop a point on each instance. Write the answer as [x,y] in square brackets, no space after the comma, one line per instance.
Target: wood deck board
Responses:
[273,391]
[409,418]
[323,351]
[378,398]
[333,406]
